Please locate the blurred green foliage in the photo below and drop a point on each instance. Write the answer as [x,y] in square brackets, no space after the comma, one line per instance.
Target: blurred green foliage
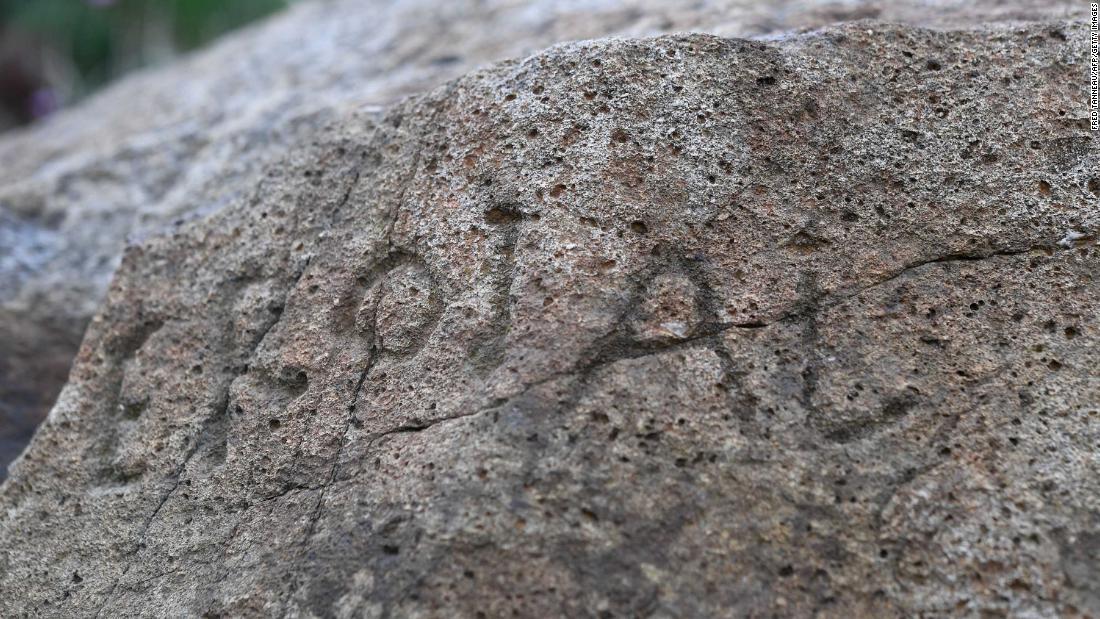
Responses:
[101,39]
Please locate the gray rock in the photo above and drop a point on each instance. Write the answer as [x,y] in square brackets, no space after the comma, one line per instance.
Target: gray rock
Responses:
[194,137]
[677,326]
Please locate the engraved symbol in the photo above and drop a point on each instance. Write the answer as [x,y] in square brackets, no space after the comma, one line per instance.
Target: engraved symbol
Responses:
[401,307]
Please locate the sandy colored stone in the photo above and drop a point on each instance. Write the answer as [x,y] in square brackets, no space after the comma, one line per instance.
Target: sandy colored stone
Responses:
[426,367]
[168,145]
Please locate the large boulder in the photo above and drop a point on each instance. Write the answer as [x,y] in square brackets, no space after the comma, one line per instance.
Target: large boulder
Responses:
[194,137]
[676,326]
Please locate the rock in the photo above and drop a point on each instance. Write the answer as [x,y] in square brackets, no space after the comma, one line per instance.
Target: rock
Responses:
[187,140]
[675,326]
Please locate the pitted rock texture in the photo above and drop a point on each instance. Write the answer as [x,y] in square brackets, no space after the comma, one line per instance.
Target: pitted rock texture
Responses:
[168,145]
[677,326]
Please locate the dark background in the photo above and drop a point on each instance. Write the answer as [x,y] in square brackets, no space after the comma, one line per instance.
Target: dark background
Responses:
[55,52]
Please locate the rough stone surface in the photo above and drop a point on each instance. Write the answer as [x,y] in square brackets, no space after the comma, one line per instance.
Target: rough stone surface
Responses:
[677,326]
[193,138]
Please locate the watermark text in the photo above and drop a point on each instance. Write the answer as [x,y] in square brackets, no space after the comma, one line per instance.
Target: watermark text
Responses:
[1094,66]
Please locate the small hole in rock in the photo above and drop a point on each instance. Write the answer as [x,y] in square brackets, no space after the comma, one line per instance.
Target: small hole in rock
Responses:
[499,215]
